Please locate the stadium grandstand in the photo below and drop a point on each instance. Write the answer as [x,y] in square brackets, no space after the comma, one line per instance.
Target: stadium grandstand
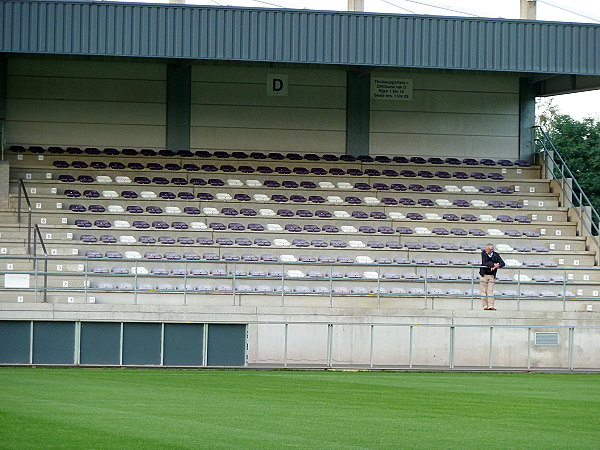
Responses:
[217,186]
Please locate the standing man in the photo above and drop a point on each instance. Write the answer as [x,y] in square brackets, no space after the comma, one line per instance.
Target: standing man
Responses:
[490,262]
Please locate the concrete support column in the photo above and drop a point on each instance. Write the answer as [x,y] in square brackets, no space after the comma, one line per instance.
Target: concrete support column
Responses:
[358,112]
[179,106]
[526,120]
[4,184]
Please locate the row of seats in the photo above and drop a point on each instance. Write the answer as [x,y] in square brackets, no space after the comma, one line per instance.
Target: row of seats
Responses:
[319,243]
[249,212]
[272,155]
[272,184]
[296,273]
[84,178]
[324,259]
[320,290]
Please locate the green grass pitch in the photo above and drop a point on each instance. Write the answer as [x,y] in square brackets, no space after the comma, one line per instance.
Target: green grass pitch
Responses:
[125,408]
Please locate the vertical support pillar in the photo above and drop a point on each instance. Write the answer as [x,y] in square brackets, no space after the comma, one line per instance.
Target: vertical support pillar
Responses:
[526,120]
[3,96]
[358,112]
[179,109]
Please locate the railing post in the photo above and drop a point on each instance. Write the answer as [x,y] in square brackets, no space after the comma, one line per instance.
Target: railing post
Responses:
[233,286]
[519,289]
[331,286]
[410,346]
[185,275]
[528,347]
[451,356]
[425,285]
[378,286]
[571,344]
[491,347]
[565,291]
[329,344]
[371,349]
[283,285]
[472,287]
[285,345]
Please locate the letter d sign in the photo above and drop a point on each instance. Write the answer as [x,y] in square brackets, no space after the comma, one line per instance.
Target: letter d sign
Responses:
[277,85]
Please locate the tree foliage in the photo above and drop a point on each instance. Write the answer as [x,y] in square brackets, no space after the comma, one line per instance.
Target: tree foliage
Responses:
[578,142]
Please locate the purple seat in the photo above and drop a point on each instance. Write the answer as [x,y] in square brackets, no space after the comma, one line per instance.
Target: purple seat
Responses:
[316,199]
[227,168]
[285,213]
[354,172]
[129,194]
[384,229]
[204,241]
[292,227]
[359,215]
[347,158]
[154,209]
[458,232]
[279,198]
[425,174]
[495,176]
[440,231]
[264,169]
[311,228]
[247,212]
[338,244]
[487,162]
[477,232]
[172,255]
[198,182]
[208,168]
[404,230]
[461,203]
[417,160]
[414,216]
[243,241]
[217,226]
[460,175]
[221,154]
[522,163]
[74,151]
[77,208]
[434,160]
[468,217]
[160,225]
[496,204]
[453,161]
[140,224]
[283,170]
[318,171]
[300,243]
[134,209]
[224,241]
[372,172]
[53,150]
[203,154]
[408,173]
[116,165]
[394,245]
[261,242]
[377,215]
[383,159]
[366,229]
[242,197]
[381,186]
[167,195]
[362,186]
[353,200]
[330,229]
[308,185]
[337,171]
[365,158]
[178,181]
[478,175]
[166,152]
[304,213]
[425,202]
[298,198]
[312,157]
[142,180]
[166,240]
[160,180]
[205,196]
[258,155]
[451,217]
[84,179]
[185,153]
[73,193]
[434,188]
[235,226]
[88,238]
[330,157]
[185,195]
[531,233]
[82,223]
[398,187]
[470,161]
[191,210]
[179,225]
[389,201]
[506,190]
[216,182]
[390,173]
[191,256]
[272,184]
[442,174]
[79,165]
[523,219]
[93,254]
[323,214]
[60,164]
[154,166]
[318,243]
[487,189]
[246,169]
[101,223]
[416,187]
[514,204]
[135,166]
[400,159]
[108,239]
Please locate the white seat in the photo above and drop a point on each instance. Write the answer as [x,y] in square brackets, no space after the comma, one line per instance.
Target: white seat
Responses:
[344,185]
[433,216]
[261,197]
[281,242]
[223,196]
[110,194]
[198,226]
[504,248]
[422,230]
[396,215]
[451,188]
[253,183]
[512,263]
[364,259]
[274,227]
[115,208]
[334,199]
[127,239]
[293,273]
[356,244]
[443,202]
[172,210]
[521,277]
[348,229]
[122,179]
[470,189]
[103,179]
[131,254]
[148,194]
[210,211]
[235,183]
[372,201]
[487,218]
[266,212]
[371,275]
[341,214]
[121,224]
[495,232]
[139,270]
[288,258]
[326,185]
[478,204]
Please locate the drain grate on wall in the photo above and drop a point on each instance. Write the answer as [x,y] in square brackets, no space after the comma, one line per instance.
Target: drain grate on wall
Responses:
[546,338]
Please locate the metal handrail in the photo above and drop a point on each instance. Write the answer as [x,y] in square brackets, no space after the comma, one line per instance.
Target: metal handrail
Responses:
[38,234]
[23,192]
[589,219]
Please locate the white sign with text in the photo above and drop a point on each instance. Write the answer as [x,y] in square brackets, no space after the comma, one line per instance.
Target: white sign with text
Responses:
[391,89]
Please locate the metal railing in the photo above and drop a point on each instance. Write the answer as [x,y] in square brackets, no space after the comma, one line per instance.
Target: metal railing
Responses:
[81,279]
[557,169]
[23,194]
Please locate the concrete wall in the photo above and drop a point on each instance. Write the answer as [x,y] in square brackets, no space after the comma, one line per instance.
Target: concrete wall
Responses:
[451,114]
[85,103]
[317,337]
[232,111]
